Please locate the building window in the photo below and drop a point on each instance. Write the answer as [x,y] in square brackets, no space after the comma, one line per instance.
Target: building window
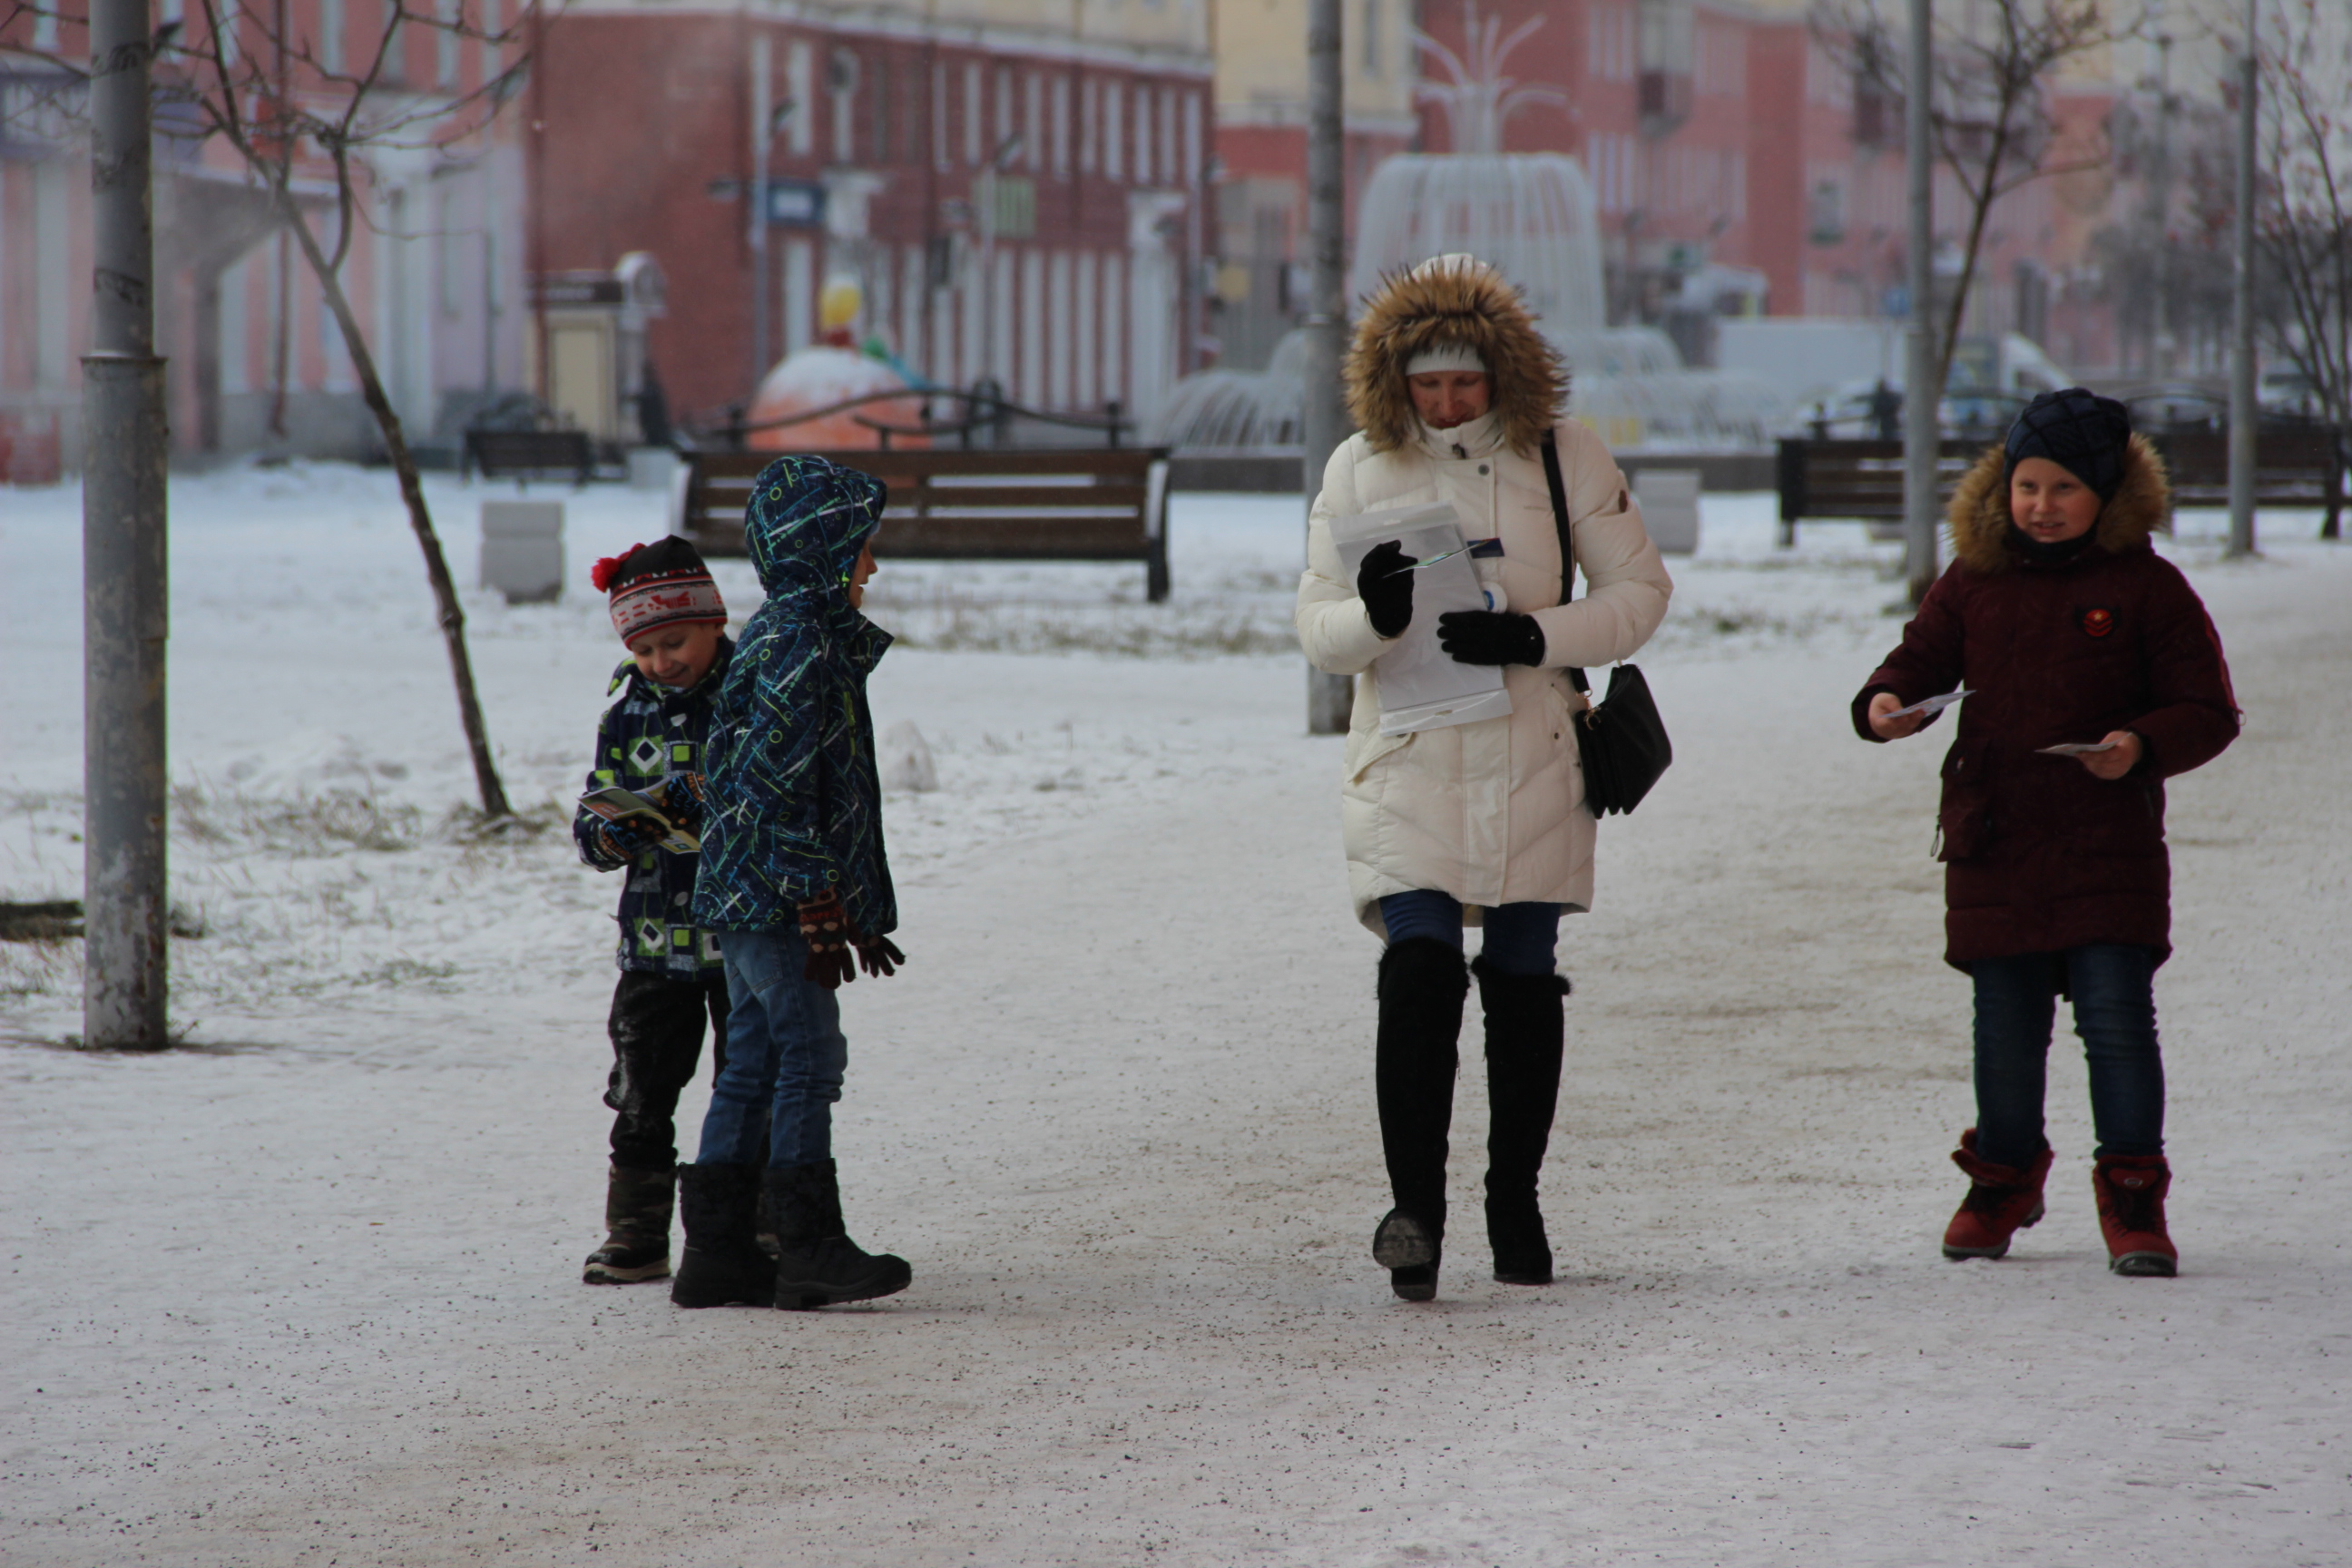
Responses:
[1146,164]
[1089,125]
[1004,110]
[445,40]
[1061,95]
[842,78]
[975,154]
[1372,38]
[800,88]
[330,32]
[935,111]
[1114,130]
[1032,121]
[881,96]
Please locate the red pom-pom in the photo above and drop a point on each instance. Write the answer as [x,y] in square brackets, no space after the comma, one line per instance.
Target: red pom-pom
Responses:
[601,576]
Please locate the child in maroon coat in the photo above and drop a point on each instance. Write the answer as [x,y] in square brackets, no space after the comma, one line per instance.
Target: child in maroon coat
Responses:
[2066,629]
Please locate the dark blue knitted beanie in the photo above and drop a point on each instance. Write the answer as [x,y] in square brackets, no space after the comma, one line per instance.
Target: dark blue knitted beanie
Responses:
[2083,433]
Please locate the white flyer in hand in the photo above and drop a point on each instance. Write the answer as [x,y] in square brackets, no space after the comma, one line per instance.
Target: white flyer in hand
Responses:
[1422,688]
[1933,704]
[2077,748]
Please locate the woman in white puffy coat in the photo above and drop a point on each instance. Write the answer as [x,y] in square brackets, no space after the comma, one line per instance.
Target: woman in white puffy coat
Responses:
[1454,391]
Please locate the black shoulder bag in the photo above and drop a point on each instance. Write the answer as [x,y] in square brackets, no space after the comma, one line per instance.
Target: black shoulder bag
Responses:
[1621,739]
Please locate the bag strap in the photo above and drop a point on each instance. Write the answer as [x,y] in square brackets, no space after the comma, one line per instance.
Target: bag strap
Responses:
[1553,482]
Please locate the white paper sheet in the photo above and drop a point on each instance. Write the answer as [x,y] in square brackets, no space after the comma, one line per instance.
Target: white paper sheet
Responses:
[1933,704]
[1422,688]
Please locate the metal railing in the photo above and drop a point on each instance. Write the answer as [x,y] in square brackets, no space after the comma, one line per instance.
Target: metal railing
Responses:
[984,408]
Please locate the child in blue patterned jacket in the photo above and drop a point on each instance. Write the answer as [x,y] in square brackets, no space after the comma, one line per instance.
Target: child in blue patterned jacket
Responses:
[794,882]
[669,615]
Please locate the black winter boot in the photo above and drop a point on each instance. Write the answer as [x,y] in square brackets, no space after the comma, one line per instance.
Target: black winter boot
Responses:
[637,1228]
[1524,1025]
[1422,985]
[816,1263]
[721,1266]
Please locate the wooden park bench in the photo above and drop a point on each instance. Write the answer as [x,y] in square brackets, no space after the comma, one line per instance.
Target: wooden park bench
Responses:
[1863,480]
[526,454]
[1856,480]
[2296,467]
[955,504]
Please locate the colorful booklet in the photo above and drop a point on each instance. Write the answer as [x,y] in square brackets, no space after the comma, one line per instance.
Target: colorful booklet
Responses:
[1422,688]
[645,811]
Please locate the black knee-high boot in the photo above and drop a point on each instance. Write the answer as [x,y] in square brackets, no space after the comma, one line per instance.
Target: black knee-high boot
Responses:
[1524,1026]
[1421,983]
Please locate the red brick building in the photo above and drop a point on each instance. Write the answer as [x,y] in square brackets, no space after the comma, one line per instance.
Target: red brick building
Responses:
[1020,204]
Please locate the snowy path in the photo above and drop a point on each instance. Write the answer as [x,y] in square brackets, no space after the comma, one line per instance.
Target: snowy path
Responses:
[315,1300]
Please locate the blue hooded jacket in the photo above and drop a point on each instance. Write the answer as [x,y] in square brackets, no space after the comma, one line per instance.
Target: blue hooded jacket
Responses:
[794,804]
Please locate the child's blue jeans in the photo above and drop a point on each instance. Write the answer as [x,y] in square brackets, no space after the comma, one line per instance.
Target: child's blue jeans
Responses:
[2113,986]
[772,1104]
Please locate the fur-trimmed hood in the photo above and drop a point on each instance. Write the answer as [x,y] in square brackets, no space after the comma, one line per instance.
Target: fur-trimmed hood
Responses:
[1979,521]
[1453,300]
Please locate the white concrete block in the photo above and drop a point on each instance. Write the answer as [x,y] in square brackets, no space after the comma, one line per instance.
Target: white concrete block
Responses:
[1669,499]
[522,550]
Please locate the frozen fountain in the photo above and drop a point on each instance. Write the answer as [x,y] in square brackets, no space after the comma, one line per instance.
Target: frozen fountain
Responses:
[1532,215]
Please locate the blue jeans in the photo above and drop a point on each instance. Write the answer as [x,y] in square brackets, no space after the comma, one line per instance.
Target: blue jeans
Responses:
[1520,939]
[2113,986]
[772,1104]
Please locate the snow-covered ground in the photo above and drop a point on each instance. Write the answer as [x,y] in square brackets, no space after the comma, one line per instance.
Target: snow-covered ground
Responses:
[307,1291]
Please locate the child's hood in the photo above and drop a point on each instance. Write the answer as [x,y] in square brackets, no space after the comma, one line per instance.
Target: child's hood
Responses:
[808,520]
[1979,517]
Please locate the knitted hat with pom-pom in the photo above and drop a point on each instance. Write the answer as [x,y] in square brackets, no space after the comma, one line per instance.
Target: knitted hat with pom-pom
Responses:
[657,585]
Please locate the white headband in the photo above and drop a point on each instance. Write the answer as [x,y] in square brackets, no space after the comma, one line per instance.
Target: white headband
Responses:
[1445,357]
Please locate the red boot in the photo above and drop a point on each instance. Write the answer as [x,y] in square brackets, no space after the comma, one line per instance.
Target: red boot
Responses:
[2003,1200]
[2130,1189]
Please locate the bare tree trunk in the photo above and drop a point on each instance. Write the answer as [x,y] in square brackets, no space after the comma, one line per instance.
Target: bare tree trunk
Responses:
[1980,202]
[420,520]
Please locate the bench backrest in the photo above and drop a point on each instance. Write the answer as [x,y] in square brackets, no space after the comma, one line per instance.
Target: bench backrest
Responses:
[1859,478]
[1091,504]
[1864,478]
[500,452]
[2289,466]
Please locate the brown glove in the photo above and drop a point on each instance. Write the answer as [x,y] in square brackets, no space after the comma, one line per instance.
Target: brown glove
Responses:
[825,926]
[878,956]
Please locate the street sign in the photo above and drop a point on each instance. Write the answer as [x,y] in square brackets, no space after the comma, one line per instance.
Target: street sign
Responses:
[796,204]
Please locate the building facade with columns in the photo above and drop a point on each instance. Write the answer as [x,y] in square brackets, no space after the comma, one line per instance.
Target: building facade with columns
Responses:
[434,265]
[1016,188]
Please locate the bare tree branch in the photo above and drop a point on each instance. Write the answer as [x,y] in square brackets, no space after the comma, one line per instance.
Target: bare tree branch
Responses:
[292,119]
[1990,115]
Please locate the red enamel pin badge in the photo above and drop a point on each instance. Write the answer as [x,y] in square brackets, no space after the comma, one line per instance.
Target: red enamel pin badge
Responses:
[2098,623]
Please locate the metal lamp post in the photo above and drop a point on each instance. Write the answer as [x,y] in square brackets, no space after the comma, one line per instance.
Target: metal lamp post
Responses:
[1921,431]
[1325,425]
[125,603]
[2245,413]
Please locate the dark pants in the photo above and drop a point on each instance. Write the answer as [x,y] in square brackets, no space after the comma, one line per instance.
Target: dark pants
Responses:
[1517,939]
[2113,986]
[657,1027]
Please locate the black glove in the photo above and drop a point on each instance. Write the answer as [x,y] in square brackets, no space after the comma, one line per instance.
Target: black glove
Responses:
[825,926]
[681,799]
[1384,582]
[622,842]
[878,956]
[1490,636]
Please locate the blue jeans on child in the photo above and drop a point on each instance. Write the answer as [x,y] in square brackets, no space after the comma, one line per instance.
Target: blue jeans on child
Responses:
[2113,986]
[773,1105]
[1520,939]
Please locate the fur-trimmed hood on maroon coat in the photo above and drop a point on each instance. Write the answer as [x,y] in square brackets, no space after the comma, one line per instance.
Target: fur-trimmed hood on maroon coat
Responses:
[2040,855]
